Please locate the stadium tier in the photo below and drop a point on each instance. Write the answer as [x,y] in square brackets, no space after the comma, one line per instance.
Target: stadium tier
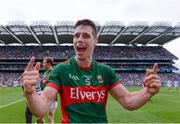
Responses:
[126,60]
[110,33]
[129,61]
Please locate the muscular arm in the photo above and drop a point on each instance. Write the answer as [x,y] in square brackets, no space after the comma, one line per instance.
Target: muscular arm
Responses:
[130,100]
[39,105]
[135,100]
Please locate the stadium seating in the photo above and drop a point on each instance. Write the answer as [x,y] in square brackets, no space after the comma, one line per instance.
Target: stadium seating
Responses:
[130,62]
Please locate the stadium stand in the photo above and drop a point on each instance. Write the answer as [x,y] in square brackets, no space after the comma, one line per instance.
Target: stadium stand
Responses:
[129,61]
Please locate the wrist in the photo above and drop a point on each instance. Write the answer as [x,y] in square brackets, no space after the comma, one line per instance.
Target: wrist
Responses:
[149,92]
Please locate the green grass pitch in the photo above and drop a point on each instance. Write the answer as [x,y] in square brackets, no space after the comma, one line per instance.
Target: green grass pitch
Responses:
[164,108]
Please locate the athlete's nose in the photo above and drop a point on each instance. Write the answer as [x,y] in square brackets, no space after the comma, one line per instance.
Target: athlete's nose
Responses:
[80,39]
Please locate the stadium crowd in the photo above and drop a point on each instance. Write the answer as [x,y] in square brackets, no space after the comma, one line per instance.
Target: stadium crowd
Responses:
[101,52]
[9,79]
[136,79]
[59,52]
[135,67]
[132,79]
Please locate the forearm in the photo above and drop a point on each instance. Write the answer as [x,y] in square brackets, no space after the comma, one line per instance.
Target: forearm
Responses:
[137,99]
[37,104]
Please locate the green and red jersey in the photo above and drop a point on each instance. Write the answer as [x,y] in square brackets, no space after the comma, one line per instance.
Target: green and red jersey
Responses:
[45,78]
[83,91]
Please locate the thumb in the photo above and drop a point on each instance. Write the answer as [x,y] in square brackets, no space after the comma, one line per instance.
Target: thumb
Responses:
[37,66]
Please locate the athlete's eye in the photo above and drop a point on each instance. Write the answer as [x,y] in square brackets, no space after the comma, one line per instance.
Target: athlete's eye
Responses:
[76,36]
[85,35]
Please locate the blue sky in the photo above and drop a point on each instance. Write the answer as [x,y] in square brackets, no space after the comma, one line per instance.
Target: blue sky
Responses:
[126,11]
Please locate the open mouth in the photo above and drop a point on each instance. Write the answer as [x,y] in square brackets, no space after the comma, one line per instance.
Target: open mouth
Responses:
[81,49]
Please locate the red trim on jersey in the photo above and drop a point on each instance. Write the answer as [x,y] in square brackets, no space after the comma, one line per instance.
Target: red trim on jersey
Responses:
[45,80]
[85,67]
[65,118]
[115,84]
[53,85]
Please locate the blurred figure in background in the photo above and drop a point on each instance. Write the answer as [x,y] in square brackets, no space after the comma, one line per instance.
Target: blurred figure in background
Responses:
[47,65]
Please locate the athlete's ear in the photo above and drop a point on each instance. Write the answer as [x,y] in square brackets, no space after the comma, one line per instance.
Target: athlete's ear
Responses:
[96,40]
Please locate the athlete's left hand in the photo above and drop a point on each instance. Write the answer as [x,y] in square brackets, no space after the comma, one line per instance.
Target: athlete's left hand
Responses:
[152,81]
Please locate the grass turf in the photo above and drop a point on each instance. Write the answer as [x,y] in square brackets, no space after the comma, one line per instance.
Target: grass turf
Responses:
[163,108]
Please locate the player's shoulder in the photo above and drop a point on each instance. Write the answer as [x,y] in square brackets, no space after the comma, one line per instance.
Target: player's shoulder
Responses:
[103,66]
[63,65]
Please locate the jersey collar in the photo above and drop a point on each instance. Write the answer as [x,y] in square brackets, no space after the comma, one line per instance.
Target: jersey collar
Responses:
[82,67]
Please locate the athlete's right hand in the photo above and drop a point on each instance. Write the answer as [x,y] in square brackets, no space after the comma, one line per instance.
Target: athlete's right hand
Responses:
[31,76]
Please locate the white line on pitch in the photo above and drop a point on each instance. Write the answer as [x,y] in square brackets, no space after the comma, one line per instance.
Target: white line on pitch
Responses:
[11,103]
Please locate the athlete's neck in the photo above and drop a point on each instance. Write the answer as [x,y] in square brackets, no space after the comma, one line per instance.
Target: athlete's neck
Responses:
[84,62]
[48,69]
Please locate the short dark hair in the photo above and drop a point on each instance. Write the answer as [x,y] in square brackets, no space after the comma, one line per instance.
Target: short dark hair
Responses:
[49,60]
[86,22]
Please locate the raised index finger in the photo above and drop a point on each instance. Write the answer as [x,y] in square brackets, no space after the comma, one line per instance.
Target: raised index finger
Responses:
[29,67]
[155,68]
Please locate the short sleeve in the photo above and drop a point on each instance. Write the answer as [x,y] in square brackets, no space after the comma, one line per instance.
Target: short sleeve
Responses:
[112,77]
[55,78]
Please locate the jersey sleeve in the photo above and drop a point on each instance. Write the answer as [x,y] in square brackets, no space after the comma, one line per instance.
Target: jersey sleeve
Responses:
[113,78]
[55,78]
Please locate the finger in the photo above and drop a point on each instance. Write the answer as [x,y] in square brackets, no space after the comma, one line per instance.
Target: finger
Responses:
[35,72]
[152,81]
[148,72]
[28,83]
[31,77]
[155,68]
[30,64]
[37,66]
[148,80]
[152,76]
[33,82]
[155,80]
[157,84]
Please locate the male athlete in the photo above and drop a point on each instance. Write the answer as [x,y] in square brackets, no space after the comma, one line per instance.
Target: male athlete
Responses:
[83,84]
[47,64]
[176,85]
[169,85]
